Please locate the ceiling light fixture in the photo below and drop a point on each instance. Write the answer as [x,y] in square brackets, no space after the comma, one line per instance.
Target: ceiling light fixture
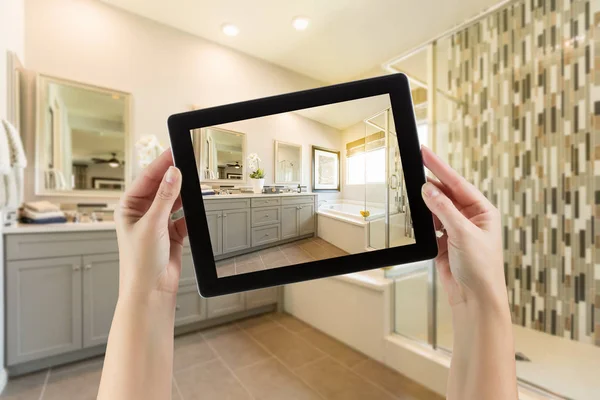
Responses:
[230,29]
[300,23]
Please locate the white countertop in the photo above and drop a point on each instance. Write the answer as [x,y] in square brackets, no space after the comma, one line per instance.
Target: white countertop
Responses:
[251,195]
[66,227]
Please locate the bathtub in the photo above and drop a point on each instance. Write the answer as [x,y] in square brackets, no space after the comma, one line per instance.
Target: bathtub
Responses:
[341,224]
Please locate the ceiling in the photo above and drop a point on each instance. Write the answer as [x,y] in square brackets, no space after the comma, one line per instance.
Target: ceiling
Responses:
[345,39]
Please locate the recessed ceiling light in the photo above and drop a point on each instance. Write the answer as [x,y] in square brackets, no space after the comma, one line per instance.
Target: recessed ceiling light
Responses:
[300,23]
[230,29]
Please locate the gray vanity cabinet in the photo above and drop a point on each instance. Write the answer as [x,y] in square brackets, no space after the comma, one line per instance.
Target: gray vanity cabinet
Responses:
[223,305]
[44,308]
[101,291]
[190,306]
[289,222]
[236,230]
[306,219]
[215,229]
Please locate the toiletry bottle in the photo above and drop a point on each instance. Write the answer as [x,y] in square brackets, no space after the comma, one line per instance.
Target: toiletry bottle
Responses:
[299,188]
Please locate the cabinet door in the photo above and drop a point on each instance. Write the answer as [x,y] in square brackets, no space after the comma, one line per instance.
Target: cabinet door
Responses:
[43,308]
[188,274]
[100,293]
[289,222]
[261,297]
[215,229]
[306,219]
[236,230]
[190,306]
[224,305]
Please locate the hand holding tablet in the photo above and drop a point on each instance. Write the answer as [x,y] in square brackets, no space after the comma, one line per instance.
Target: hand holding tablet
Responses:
[360,158]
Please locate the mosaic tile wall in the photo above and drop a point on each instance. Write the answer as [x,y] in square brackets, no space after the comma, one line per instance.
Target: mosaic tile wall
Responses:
[528,135]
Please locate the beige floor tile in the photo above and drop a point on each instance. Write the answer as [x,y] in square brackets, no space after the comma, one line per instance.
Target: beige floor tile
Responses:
[225,268]
[289,322]
[247,258]
[296,255]
[191,349]
[210,381]
[174,393]
[28,387]
[75,381]
[258,324]
[336,382]
[271,380]
[273,258]
[334,348]
[393,382]
[289,348]
[249,266]
[237,349]
[218,330]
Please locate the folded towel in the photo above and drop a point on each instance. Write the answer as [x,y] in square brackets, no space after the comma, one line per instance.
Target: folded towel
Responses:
[15,145]
[41,206]
[206,187]
[55,220]
[27,213]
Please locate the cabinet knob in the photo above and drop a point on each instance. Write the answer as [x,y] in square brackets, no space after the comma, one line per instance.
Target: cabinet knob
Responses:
[218,216]
[266,215]
[301,207]
[76,267]
[88,267]
[224,216]
[177,307]
[266,234]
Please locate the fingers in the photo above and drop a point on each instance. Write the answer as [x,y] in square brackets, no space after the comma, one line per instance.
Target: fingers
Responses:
[458,189]
[166,196]
[443,208]
[147,183]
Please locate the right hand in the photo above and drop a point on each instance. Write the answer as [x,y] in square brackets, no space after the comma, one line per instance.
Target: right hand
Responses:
[470,260]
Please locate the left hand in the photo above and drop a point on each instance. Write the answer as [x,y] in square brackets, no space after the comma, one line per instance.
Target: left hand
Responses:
[150,243]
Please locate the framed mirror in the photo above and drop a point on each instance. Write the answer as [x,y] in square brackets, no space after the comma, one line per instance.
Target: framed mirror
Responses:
[82,139]
[288,163]
[221,154]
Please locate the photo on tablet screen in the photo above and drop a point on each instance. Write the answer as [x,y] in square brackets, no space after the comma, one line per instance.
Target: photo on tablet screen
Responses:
[332,184]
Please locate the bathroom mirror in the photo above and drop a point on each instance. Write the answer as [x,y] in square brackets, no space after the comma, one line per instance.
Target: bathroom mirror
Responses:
[81,140]
[222,155]
[288,163]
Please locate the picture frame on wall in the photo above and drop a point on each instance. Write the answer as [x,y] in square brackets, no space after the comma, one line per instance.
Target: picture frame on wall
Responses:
[235,176]
[325,170]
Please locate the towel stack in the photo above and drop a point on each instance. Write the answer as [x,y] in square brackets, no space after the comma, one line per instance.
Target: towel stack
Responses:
[207,190]
[42,212]
[12,164]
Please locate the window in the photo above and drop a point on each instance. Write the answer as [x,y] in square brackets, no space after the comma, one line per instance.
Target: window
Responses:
[369,166]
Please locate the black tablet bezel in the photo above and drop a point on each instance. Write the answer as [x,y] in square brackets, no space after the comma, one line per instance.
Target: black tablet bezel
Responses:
[180,126]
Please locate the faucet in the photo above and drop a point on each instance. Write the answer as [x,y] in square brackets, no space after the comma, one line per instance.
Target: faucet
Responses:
[321,202]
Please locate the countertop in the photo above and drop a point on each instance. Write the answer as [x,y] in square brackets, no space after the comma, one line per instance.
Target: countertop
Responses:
[54,228]
[251,195]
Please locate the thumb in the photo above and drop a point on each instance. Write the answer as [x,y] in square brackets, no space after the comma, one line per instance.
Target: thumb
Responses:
[166,195]
[443,208]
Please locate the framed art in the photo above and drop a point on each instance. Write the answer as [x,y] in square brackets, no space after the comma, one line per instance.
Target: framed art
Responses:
[226,233]
[108,183]
[325,170]
[235,176]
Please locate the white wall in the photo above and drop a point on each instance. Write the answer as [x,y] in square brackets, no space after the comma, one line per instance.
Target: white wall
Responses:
[166,71]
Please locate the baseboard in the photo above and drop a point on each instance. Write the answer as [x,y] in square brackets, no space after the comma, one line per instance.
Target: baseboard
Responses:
[3,379]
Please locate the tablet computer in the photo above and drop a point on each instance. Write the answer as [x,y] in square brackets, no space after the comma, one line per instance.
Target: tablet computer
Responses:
[303,185]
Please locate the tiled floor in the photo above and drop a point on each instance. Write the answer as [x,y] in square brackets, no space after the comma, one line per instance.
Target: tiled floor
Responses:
[279,256]
[273,356]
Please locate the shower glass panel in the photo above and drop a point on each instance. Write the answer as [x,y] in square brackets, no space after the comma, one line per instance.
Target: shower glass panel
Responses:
[375,179]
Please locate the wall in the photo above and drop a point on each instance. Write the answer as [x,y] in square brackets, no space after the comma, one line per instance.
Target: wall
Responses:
[166,71]
[531,142]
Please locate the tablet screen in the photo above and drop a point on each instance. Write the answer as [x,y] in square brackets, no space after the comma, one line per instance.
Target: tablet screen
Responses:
[332,184]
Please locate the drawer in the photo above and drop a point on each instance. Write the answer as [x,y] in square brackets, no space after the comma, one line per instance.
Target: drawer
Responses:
[286,201]
[266,216]
[226,204]
[265,235]
[43,245]
[188,275]
[263,202]
[190,306]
